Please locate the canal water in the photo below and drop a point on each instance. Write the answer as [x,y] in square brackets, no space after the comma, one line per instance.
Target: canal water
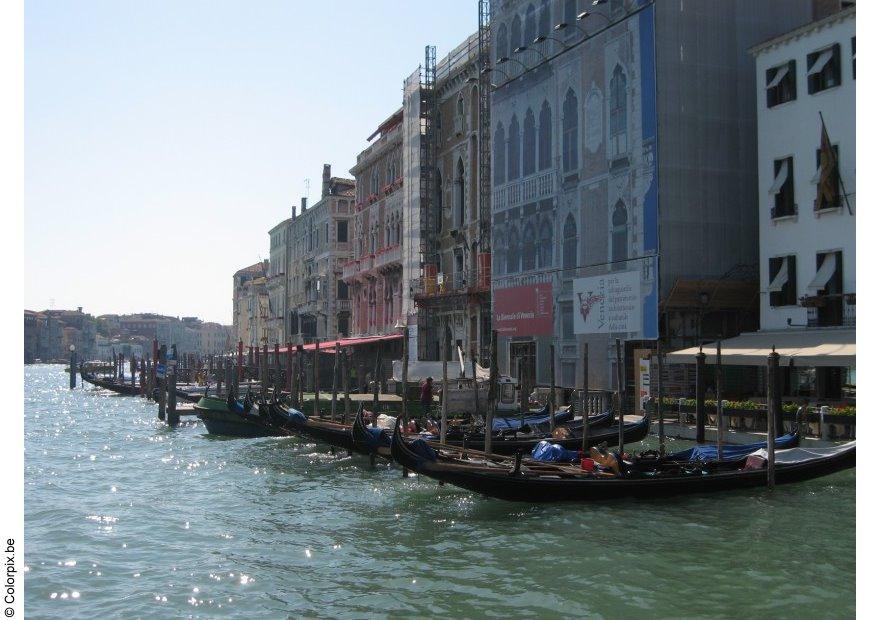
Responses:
[125,517]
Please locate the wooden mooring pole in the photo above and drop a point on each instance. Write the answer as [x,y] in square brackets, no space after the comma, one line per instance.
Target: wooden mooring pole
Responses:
[700,396]
[346,403]
[376,402]
[493,390]
[585,397]
[718,388]
[620,393]
[476,385]
[73,369]
[445,387]
[659,362]
[334,378]
[316,409]
[162,393]
[552,400]
[404,356]
[771,386]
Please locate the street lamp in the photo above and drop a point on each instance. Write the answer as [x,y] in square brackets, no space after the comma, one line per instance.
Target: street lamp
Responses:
[541,38]
[563,25]
[523,48]
[505,59]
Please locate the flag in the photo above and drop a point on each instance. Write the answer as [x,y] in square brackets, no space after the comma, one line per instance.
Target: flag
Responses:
[827,190]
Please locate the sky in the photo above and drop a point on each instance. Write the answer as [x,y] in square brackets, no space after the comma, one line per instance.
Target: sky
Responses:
[163,139]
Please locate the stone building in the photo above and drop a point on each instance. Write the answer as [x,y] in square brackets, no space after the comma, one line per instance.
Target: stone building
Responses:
[373,273]
[277,280]
[452,296]
[319,241]
[250,301]
[624,177]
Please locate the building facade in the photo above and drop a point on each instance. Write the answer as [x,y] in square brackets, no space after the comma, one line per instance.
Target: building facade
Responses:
[318,303]
[452,297]
[806,98]
[277,280]
[623,208]
[250,304]
[373,273]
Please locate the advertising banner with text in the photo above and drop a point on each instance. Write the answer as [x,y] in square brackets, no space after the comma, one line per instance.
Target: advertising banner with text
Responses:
[608,304]
[524,310]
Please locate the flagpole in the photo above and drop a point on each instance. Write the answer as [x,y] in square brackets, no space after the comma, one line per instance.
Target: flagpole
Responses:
[838,168]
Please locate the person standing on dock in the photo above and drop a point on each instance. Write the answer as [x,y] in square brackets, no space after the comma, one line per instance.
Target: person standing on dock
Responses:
[426,393]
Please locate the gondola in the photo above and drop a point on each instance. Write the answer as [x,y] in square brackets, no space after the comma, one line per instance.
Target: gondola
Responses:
[374,440]
[220,419]
[125,389]
[601,430]
[320,429]
[509,479]
[708,452]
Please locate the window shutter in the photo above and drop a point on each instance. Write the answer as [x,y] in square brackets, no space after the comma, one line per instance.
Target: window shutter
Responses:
[837,63]
[790,288]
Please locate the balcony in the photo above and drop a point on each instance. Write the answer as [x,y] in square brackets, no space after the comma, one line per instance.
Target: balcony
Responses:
[522,191]
[343,305]
[458,283]
[349,270]
[388,256]
[838,310]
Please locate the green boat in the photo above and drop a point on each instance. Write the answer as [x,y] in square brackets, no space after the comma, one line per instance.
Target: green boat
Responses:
[220,420]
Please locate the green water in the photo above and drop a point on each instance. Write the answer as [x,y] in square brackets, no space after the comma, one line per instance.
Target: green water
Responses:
[127,518]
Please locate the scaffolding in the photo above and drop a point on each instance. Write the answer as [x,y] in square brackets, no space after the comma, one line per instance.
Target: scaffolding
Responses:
[427,146]
[485,154]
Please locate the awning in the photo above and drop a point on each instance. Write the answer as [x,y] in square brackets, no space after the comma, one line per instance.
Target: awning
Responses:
[777,285]
[821,61]
[329,346]
[806,347]
[780,179]
[824,273]
[782,71]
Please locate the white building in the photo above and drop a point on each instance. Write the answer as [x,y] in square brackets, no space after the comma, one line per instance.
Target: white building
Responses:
[807,237]
[806,81]
[277,279]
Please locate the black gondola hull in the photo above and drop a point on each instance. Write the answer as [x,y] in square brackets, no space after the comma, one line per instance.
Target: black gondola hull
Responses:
[521,487]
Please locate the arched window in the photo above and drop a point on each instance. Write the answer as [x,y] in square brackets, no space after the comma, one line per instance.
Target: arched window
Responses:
[545,244]
[501,42]
[619,233]
[474,211]
[516,34]
[545,137]
[499,250]
[530,26]
[513,251]
[528,247]
[513,149]
[498,147]
[375,181]
[544,23]
[529,143]
[460,106]
[569,245]
[438,201]
[569,132]
[460,194]
[618,112]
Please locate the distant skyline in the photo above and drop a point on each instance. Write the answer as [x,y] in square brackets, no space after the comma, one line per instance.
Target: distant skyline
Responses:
[163,140]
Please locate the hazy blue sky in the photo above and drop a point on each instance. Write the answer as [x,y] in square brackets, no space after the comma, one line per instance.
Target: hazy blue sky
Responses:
[164,139]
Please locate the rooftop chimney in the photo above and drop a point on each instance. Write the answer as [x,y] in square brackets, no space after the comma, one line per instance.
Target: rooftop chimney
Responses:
[326,179]
[303,204]
[294,211]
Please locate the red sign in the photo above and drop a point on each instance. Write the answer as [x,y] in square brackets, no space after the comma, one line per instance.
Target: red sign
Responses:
[524,310]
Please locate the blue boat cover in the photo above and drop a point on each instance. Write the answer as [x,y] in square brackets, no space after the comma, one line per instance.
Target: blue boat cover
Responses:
[708,452]
[294,414]
[515,422]
[238,407]
[546,451]
[421,448]
[378,437]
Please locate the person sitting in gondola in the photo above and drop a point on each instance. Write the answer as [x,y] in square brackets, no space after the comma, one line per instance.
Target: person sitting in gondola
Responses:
[609,461]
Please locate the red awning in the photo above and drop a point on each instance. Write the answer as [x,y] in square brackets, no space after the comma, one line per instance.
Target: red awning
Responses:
[330,345]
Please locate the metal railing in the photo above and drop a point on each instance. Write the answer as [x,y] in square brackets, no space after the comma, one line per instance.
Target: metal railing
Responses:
[391,254]
[469,280]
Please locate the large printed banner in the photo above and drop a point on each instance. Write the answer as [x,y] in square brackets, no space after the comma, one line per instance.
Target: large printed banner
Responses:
[524,310]
[608,304]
